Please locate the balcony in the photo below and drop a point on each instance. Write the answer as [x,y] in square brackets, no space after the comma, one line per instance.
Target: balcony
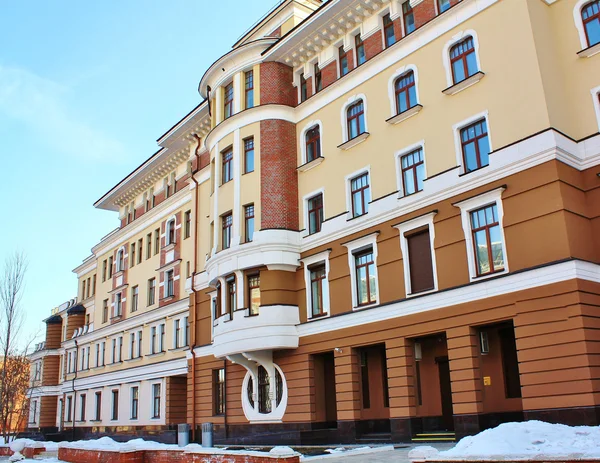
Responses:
[273,328]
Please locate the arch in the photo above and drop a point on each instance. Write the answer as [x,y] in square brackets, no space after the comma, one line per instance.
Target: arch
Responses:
[400,72]
[303,133]
[170,228]
[349,102]
[578,20]
[454,41]
[251,407]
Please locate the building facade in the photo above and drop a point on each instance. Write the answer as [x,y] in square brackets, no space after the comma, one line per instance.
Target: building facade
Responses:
[393,212]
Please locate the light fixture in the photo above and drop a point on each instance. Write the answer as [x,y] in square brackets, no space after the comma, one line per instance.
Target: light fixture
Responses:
[418,352]
[338,350]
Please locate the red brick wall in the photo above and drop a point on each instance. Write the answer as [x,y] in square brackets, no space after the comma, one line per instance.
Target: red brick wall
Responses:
[279,179]
[329,74]
[373,44]
[276,84]
[28,452]
[424,12]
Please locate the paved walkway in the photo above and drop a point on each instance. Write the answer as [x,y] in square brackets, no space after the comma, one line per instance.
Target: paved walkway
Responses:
[392,456]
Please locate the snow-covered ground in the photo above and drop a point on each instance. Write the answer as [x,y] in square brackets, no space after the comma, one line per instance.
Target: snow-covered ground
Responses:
[530,440]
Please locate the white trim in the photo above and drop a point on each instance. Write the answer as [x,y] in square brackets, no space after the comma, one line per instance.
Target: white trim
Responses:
[401,71]
[353,247]
[420,145]
[305,199]
[456,128]
[578,21]
[322,257]
[596,98]
[307,127]
[485,199]
[406,227]
[446,53]
[348,181]
[277,412]
[344,118]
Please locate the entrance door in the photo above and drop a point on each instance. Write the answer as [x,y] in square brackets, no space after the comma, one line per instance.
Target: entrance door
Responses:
[325,397]
[446,392]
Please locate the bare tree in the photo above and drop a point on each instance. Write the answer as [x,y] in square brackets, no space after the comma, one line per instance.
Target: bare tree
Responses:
[14,378]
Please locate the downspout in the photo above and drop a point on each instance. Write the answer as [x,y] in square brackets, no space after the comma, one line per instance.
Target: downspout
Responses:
[74,392]
[225,396]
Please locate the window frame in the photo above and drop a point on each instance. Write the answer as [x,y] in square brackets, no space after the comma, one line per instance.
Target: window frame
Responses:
[315,210]
[318,78]
[226,230]
[249,230]
[218,380]
[420,146]
[485,228]
[364,202]
[354,247]
[170,227]
[355,119]
[406,12]
[455,40]
[343,58]
[135,295]
[247,149]
[475,142]
[462,56]
[590,19]
[406,89]
[344,116]
[385,26]
[359,49]
[187,224]
[456,128]
[248,89]
[249,288]
[156,400]
[228,100]
[134,395]
[303,88]
[169,283]
[438,5]
[314,141]
[227,165]
[309,263]
[151,299]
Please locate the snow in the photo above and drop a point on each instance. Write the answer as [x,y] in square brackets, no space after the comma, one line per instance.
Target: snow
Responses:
[535,440]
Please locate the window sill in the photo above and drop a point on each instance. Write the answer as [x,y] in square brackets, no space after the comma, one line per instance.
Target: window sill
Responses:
[318,317]
[589,51]
[311,164]
[354,141]
[169,246]
[464,84]
[157,354]
[404,114]
[472,171]
[168,298]
[489,275]
[365,306]
[135,359]
[354,217]
[421,293]
[178,349]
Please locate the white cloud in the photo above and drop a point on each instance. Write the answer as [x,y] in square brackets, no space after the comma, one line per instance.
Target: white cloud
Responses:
[40,104]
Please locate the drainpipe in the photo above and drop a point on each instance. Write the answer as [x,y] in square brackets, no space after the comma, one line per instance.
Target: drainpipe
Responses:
[225,397]
[74,391]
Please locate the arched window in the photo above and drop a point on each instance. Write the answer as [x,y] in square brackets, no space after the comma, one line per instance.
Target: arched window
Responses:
[120,261]
[170,235]
[313,143]
[463,60]
[406,92]
[356,119]
[590,15]
[264,389]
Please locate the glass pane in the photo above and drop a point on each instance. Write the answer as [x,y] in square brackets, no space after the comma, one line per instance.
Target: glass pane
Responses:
[459,72]
[444,5]
[496,243]
[361,283]
[412,95]
[250,161]
[420,176]
[484,151]
[390,39]
[312,222]
[357,204]
[372,283]
[481,249]
[310,152]
[250,99]
[402,102]
[250,230]
[593,32]
[367,194]
[316,298]
[361,123]
[353,132]
[409,182]
[472,64]
[470,157]
[410,23]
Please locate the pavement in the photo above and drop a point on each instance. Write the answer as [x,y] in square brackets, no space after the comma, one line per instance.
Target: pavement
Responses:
[399,455]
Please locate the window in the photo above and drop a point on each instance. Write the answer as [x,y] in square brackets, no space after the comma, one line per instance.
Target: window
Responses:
[317,275]
[135,400]
[318,78]
[148,245]
[315,213]
[187,227]
[366,284]
[186,331]
[118,305]
[361,56]
[355,115]
[115,405]
[120,260]
[110,267]
[104,271]
[131,346]
[69,408]
[463,60]
[98,406]
[475,146]
[590,14]
[443,5]
[33,412]
[134,298]
[105,311]
[364,378]
[303,88]
[487,240]
[139,342]
[94,285]
[177,334]
[420,262]
[169,284]
[132,254]
[156,401]
[360,194]
[156,241]
[343,61]
[249,222]
[228,101]
[227,168]
[264,389]
[406,92]
[227,222]
[140,247]
[313,143]
[388,31]
[231,295]
[248,155]
[413,172]
[170,234]
[82,407]
[161,337]
[219,391]
[409,17]
[153,340]
[249,89]
[254,294]
[151,291]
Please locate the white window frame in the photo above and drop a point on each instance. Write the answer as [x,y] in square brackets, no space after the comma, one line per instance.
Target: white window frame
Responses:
[406,227]
[348,180]
[578,20]
[153,416]
[131,388]
[401,71]
[132,345]
[354,247]
[471,204]
[446,53]
[305,199]
[398,156]
[172,220]
[117,260]
[344,117]
[307,127]
[112,403]
[456,128]
[139,345]
[322,257]
[166,285]
[596,99]
[69,409]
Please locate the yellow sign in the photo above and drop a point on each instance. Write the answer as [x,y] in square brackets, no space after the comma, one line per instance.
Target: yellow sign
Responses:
[487,380]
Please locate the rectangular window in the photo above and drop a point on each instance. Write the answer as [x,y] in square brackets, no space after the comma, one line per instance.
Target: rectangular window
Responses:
[227,223]
[249,222]
[388,31]
[104,271]
[110,267]
[343,61]
[406,92]
[156,401]
[103,353]
[82,407]
[69,409]
[318,78]
[132,345]
[249,89]
[303,88]
[590,14]
[94,285]
[228,101]
[134,298]
[475,146]
[105,311]
[153,340]
[186,331]
[315,213]
[253,294]
[443,5]
[187,224]
[227,166]
[156,241]
[409,17]
[366,286]
[361,56]
[139,342]
[420,261]
[487,240]
[177,333]
[135,402]
[169,284]
[98,406]
[219,391]
[115,405]
[140,248]
[413,172]
[161,338]
[118,305]
[360,195]
[317,276]
[231,295]
[248,155]
[151,291]
[148,245]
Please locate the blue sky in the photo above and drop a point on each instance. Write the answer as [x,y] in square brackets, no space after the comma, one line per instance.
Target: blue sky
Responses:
[86,88]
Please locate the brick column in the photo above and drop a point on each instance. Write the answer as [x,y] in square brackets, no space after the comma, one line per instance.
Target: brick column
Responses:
[467,401]
[424,12]
[401,383]
[329,73]
[374,44]
[347,388]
